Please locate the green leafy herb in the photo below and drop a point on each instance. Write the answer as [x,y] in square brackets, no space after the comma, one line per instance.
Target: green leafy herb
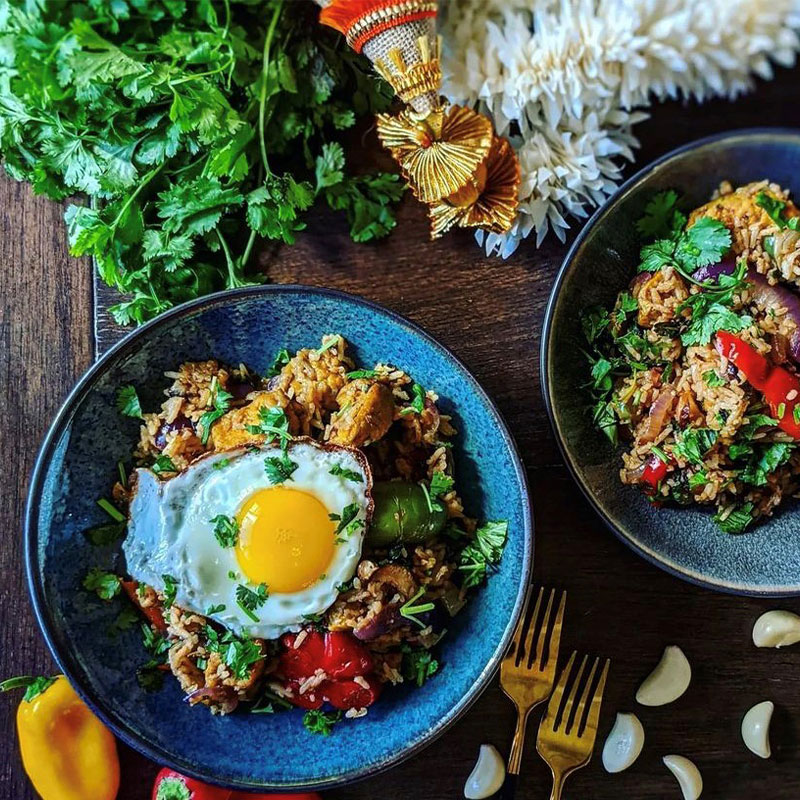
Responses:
[332,342]
[756,422]
[410,609]
[33,686]
[321,722]
[279,470]
[239,653]
[105,534]
[767,461]
[170,590]
[347,522]
[347,474]
[125,620]
[737,520]
[226,530]
[361,373]
[282,358]
[418,665]
[441,484]
[164,464]
[111,510]
[150,676]
[712,380]
[270,703]
[221,402]
[485,550]
[662,219]
[693,444]
[222,463]
[104,584]
[215,609]
[127,400]
[698,479]
[273,424]
[417,403]
[173,118]
[775,209]
[250,601]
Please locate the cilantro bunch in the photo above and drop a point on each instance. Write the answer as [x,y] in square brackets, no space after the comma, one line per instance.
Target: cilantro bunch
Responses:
[195,128]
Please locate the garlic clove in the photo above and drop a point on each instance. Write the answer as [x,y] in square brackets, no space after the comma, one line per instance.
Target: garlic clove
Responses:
[777,628]
[487,775]
[688,776]
[624,744]
[755,728]
[668,681]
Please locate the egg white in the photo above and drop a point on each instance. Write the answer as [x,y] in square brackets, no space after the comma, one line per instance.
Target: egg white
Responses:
[170,533]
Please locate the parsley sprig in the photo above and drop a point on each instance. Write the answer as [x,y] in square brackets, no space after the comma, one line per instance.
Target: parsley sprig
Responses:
[321,722]
[250,600]
[220,404]
[484,552]
[226,530]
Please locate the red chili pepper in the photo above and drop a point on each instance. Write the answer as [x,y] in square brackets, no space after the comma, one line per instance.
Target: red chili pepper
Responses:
[655,471]
[169,784]
[153,614]
[781,388]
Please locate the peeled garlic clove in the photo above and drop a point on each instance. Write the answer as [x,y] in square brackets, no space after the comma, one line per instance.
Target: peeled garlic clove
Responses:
[689,778]
[624,743]
[755,728]
[668,681]
[776,628]
[487,775]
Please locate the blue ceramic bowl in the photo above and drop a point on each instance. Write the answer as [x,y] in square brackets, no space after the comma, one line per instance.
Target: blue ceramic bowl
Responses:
[601,262]
[77,465]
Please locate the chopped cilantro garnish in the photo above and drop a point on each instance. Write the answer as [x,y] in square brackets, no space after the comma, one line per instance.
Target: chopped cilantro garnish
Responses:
[693,444]
[418,401]
[105,534]
[215,609]
[322,722]
[34,686]
[347,522]
[483,551]
[418,665]
[279,470]
[150,676]
[282,358]
[221,402]
[273,424]
[661,219]
[767,461]
[111,510]
[232,575]
[128,402]
[104,584]
[123,477]
[796,413]
[660,454]
[712,380]
[775,209]
[163,464]
[124,621]
[411,608]
[226,530]
[780,411]
[222,463]
[698,479]
[170,590]
[332,342]
[361,373]
[347,474]
[441,484]
[250,601]
[239,653]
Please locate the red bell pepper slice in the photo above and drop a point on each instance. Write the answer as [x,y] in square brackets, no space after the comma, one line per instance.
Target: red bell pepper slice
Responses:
[344,656]
[655,471]
[303,661]
[781,388]
[153,614]
[349,694]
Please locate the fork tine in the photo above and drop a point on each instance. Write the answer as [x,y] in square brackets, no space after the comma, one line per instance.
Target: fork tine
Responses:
[568,706]
[535,658]
[530,621]
[580,711]
[558,693]
[555,636]
[597,700]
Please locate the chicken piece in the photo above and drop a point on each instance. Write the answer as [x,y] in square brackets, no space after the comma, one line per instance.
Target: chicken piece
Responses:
[231,429]
[366,412]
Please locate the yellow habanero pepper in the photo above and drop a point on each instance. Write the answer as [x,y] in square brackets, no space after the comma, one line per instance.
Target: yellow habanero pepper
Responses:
[67,752]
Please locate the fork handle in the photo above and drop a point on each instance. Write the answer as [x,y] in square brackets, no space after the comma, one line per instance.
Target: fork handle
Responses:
[518,742]
[558,784]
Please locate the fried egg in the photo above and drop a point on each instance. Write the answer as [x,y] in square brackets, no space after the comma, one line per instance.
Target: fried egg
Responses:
[256,556]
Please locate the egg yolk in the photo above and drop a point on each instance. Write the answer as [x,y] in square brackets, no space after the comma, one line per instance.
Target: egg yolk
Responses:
[286,539]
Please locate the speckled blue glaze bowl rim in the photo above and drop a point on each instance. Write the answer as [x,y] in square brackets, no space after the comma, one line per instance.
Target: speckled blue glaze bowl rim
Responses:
[137,740]
[660,560]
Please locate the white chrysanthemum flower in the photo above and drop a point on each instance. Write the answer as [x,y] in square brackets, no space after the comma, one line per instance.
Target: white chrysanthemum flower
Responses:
[563,79]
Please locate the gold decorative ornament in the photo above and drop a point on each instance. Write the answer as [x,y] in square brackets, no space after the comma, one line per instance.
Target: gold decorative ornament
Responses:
[489,201]
[439,153]
[412,81]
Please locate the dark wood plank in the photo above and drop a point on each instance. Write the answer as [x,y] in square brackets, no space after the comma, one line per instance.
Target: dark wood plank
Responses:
[489,312]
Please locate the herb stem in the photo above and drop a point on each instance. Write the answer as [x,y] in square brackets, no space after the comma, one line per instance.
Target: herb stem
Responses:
[233,279]
[262,99]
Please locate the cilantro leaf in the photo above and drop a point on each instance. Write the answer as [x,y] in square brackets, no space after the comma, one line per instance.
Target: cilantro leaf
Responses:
[226,530]
[661,219]
[104,584]
[418,665]
[348,474]
[321,722]
[485,550]
[279,470]
[692,444]
[221,403]
[170,590]
[128,402]
[273,424]
[767,461]
[163,464]
[418,401]
[105,534]
[282,358]
[250,601]
[715,317]
[737,520]
[706,242]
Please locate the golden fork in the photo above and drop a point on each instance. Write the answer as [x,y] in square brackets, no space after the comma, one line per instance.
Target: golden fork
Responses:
[566,739]
[527,675]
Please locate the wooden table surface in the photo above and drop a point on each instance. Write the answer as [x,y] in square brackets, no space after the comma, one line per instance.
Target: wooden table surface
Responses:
[490,313]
